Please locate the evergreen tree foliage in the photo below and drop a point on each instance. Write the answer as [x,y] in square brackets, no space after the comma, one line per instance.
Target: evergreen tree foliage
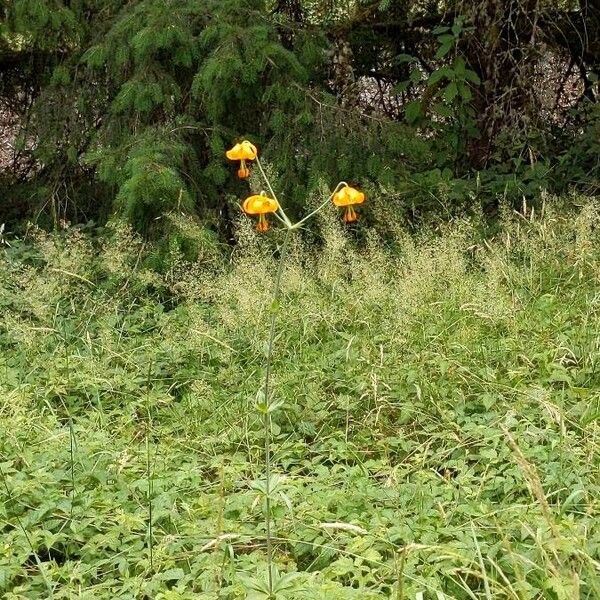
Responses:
[128,107]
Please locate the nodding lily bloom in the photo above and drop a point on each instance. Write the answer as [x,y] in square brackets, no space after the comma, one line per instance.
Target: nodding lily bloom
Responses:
[261,205]
[347,197]
[243,151]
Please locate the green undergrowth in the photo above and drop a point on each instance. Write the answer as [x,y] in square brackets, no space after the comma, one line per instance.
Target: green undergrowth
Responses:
[438,437]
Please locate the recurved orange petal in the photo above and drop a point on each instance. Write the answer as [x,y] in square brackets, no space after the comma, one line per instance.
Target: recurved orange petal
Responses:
[243,151]
[348,196]
[234,153]
[259,204]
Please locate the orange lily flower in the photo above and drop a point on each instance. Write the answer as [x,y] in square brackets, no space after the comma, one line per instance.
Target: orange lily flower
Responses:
[243,151]
[347,197]
[261,205]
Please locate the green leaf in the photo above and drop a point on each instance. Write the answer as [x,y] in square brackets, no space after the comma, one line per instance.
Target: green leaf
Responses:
[413,111]
[464,91]
[416,75]
[254,584]
[444,49]
[438,75]
[447,39]
[404,58]
[459,67]
[451,91]
[172,575]
[401,87]
[260,403]
[442,109]
[472,76]
[287,582]
[275,406]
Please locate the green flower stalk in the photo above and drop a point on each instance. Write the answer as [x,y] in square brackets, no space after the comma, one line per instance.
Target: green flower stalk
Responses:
[261,205]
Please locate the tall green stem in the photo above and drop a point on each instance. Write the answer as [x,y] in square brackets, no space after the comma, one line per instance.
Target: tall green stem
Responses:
[72,461]
[266,408]
[149,477]
[267,413]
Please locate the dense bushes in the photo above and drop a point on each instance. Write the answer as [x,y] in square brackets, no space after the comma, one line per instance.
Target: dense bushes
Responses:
[128,106]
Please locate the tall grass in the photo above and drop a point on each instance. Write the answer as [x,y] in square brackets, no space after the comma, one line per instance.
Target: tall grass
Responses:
[439,436]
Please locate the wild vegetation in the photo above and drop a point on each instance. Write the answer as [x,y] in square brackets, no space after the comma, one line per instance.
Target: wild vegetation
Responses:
[438,436]
[382,388]
[128,107]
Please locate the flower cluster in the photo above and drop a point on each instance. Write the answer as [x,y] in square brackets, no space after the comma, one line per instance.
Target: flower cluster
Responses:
[261,205]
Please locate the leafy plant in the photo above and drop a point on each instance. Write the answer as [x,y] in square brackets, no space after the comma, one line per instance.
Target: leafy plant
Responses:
[405,369]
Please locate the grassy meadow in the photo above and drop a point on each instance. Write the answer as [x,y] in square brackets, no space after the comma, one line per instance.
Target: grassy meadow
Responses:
[438,438]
